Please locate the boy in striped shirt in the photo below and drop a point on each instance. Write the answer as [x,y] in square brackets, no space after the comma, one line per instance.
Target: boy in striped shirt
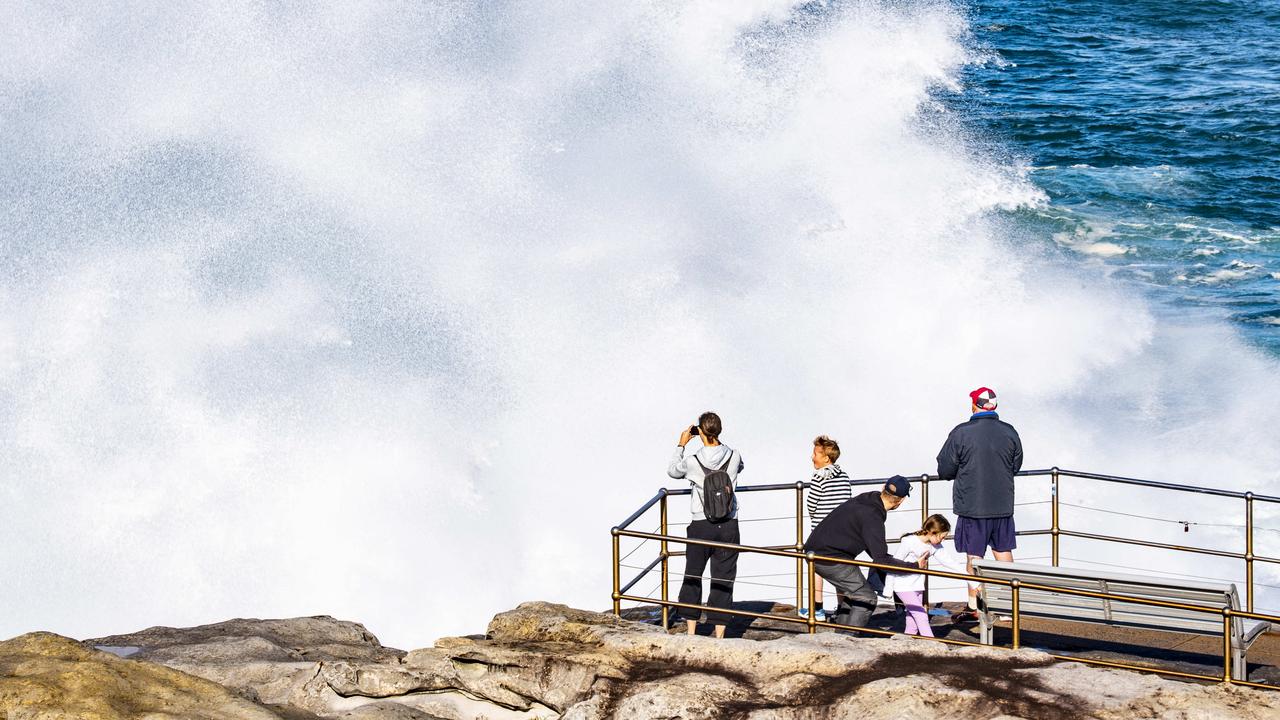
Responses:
[828,488]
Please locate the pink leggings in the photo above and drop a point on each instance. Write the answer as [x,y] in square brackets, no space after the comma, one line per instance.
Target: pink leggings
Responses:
[917,615]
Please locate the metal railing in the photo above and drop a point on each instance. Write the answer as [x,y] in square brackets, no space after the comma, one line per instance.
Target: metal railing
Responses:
[805,564]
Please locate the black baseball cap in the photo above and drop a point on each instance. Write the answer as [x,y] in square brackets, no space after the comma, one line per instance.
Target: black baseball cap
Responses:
[898,485]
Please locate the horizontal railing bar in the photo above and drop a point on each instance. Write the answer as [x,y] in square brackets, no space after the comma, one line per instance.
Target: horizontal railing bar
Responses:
[934,478]
[775,486]
[1025,473]
[878,631]
[917,571]
[1145,543]
[785,618]
[643,572]
[1031,585]
[1147,668]
[1250,683]
[645,508]
[934,573]
[1255,616]
[1141,668]
[712,544]
[1121,598]
[795,555]
[726,611]
[1167,486]
[1151,483]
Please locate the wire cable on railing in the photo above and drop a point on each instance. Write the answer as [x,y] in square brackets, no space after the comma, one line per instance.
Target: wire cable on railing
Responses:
[1169,573]
[948,507]
[898,510]
[642,542]
[743,576]
[742,520]
[655,589]
[1184,523]
[737,581]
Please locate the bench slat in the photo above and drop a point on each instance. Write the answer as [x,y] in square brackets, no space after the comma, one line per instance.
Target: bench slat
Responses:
[1080,608]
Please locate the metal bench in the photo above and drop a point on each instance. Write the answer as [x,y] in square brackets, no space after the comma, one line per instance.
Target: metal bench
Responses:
[998,599]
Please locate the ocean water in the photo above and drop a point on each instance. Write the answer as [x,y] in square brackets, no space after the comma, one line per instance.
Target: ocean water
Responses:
[1154,128]
[390,310]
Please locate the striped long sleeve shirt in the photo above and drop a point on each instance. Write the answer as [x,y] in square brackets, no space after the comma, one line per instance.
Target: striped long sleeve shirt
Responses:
[828,489]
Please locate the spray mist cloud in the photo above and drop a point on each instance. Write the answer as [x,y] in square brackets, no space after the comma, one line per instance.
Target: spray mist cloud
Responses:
[352,308]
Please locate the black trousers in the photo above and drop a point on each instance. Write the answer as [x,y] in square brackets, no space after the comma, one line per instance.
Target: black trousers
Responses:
[724,568]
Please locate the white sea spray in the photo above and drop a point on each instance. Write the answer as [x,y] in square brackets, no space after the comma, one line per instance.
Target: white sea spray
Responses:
[389,311]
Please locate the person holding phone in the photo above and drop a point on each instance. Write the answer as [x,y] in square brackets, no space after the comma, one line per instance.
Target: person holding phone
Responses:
[712,471]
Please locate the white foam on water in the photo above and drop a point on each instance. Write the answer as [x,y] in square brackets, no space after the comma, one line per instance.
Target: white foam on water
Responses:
[1101,249]
[1229,235]
[389,311]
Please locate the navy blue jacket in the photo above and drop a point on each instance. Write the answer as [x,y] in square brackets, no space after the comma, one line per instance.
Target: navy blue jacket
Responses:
[856,526]
[982,456]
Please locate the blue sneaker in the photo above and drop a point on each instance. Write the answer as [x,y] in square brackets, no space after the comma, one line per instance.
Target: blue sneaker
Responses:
[820,615]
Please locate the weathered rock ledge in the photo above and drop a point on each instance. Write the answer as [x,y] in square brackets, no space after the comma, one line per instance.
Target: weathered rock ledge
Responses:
[550,661]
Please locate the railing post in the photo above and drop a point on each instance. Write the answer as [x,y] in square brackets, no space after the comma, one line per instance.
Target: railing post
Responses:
[617,581]
[662,522]
[1053,531]
[1226,644]
[800,546]
[813,603]
[924,515]
[1248,546]
[1016,592]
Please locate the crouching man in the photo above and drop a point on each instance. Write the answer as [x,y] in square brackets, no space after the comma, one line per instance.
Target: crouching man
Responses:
[855,527]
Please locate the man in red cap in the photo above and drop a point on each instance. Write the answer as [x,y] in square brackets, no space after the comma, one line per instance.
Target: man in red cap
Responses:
[982,456]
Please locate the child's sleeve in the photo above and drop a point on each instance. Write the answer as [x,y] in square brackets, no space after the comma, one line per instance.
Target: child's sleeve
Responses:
[945,558]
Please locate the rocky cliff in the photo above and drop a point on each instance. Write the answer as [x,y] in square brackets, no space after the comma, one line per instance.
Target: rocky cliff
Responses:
[550,661]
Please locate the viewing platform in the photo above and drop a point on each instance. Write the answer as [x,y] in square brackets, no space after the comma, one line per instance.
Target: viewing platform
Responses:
[1109,606]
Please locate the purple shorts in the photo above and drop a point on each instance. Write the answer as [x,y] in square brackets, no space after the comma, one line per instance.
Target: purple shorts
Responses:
[974,535]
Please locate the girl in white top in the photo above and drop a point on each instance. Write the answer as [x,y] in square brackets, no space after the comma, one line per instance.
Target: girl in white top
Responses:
[923,543]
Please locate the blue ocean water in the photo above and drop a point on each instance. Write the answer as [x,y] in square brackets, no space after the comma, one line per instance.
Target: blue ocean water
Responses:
[1154,127]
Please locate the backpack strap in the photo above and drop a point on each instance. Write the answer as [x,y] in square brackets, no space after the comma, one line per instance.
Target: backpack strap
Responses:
[725,466]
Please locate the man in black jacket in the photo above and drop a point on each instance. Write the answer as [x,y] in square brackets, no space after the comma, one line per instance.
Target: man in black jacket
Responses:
[982,456]
[855,527]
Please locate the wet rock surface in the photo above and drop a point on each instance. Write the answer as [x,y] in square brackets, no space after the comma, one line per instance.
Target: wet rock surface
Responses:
[549,661]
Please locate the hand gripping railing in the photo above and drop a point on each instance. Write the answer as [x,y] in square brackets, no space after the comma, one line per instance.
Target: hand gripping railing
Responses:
[1055,531]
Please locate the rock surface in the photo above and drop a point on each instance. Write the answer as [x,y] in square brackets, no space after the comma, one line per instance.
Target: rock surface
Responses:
[43,675]
[549,661]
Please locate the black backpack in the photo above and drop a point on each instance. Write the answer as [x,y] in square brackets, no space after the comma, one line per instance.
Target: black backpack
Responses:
[717,491]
